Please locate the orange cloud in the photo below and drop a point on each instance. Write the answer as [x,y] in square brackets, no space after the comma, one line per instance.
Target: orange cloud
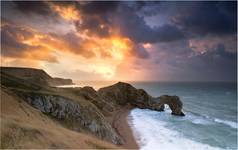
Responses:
[19,42]
[91,53]
[116,47]
[67,12]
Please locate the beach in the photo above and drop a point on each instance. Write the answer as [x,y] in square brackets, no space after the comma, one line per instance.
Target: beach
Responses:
[119,121]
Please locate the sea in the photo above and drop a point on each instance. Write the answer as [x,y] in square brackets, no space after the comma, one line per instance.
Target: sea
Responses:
[210,121]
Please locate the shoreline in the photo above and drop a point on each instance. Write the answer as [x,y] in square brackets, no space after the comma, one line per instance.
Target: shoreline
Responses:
[120,123]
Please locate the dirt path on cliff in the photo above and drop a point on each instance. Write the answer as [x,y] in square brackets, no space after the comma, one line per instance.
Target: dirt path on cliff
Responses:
[119,121]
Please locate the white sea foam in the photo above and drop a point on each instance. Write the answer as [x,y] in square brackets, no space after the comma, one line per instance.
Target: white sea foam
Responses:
[197,119]
[208,120]
[201,121]
[191,117]
[152,134]
[229,123]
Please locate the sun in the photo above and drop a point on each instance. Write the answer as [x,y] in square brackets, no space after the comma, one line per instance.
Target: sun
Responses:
[106,71]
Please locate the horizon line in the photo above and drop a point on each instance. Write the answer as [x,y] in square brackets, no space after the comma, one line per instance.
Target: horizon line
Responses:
[143,81]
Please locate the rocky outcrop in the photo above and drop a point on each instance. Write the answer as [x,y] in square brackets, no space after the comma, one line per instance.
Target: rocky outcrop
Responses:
[33,75]
[88,93]
[123,93]
[77,116]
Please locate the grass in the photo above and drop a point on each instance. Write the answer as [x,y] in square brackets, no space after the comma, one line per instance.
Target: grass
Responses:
[22,88]
[96,145]
[13,82]
[24,127]
[16,134]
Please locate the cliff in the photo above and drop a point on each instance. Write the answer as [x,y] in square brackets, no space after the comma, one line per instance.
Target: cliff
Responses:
[63,106]
[25,127]
[33,75]
[78,110]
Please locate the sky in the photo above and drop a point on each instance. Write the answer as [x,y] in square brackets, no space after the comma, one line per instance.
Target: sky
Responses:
[122,41]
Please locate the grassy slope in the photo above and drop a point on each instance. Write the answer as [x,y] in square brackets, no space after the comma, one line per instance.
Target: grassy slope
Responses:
[23,126]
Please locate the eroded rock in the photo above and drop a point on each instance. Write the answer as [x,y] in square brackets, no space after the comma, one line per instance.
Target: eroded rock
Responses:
[88,93]
[174,103]
[73,114]
[124,93]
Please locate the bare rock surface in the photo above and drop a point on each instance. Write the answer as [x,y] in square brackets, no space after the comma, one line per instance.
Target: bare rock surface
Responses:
[73,114]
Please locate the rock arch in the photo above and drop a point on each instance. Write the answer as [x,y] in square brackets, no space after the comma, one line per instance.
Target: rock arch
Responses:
[174,103]
[124,93]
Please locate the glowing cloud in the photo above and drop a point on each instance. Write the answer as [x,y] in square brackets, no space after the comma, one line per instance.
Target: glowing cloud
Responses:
[68,12]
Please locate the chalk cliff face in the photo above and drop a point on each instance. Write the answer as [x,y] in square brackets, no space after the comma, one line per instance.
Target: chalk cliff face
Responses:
[83,110]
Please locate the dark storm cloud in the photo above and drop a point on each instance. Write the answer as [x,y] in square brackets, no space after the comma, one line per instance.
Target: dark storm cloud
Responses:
[212,22]
[177,24]
[101,18]
[94,15]
[125,18]
[141,52]
[183,64]
[207,17]
[32,17]
[217,57]
[123,15]
[217,64]
[141,33]
[98,8]
[134,27]
[193,17]
[34,7]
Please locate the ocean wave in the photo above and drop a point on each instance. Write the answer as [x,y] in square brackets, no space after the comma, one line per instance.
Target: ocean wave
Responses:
[200,119]
[229,123]
[197,119]
[153,134]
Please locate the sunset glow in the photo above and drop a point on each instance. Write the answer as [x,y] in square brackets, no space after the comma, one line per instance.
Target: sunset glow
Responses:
[119,41]
[85,74]
[68,13]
